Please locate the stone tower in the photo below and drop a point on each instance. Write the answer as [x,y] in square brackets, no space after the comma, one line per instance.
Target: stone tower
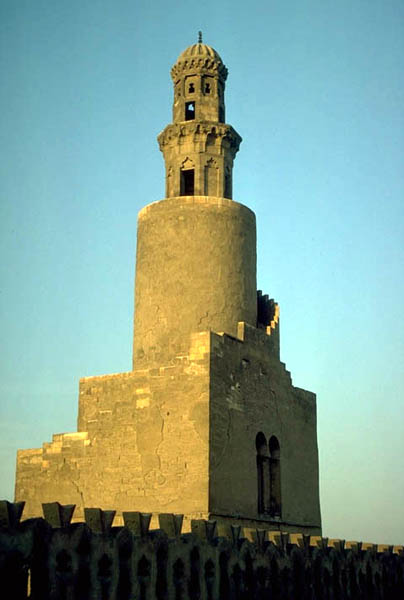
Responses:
[208,422]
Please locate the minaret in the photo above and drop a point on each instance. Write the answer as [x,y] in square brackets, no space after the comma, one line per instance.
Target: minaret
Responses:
[196,257]
[208,423]
[198,147]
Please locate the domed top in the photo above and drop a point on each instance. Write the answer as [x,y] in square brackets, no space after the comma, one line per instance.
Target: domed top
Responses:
[199,55]
[199,50]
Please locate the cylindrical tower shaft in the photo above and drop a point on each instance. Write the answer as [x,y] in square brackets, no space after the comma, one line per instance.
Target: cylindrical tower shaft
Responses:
[196,250]
[196,270]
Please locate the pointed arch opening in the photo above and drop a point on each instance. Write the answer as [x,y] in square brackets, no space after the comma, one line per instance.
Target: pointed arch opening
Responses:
[188,182]
[263,480]
[275,500]
[187,178]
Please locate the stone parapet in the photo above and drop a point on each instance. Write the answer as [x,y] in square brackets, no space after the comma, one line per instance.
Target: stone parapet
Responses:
[50,559]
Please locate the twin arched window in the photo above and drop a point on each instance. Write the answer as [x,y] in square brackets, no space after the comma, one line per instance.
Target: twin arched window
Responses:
[268,475]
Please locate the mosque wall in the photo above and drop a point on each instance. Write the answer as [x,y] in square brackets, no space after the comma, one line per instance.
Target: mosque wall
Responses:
[51,559]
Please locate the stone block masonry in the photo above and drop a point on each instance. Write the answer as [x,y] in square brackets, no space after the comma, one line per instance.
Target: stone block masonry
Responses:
[251,393]
[182,438]
[195,271]
[208,423]
[142,440]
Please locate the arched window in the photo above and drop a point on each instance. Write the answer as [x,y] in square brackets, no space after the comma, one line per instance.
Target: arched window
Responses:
[189,111]
[188,182]
[187,178]
[262,473]
[275,504]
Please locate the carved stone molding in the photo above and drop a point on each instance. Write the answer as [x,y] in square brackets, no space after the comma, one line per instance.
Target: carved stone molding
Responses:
[199,64]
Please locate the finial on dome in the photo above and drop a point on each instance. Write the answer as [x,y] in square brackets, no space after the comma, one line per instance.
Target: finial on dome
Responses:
[199,37]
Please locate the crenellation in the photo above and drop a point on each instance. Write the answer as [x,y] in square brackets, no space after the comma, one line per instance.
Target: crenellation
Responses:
[10,514]
[151,553]
[337,544]
[385,548]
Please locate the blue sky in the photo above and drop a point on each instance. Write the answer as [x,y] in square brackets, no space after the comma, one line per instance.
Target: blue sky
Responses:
[316,90]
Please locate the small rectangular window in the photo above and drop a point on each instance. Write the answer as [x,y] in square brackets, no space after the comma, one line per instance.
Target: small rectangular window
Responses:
[189,111]
[188,182]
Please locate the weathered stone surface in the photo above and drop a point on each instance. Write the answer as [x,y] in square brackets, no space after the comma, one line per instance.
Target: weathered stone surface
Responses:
[251,392]
[140,447]
[208,423]
[177,292]
[149,433]
[198,147]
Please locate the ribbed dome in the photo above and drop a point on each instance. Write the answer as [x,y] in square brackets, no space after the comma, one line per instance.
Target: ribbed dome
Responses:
[199,50]
[197,56]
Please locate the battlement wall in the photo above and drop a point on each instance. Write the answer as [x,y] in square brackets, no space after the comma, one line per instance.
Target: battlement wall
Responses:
[44,559]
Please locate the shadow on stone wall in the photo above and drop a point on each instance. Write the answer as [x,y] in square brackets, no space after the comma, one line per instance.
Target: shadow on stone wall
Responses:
[53,559]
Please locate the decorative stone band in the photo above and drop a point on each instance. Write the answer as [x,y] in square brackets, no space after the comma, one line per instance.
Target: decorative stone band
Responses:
[191,65]
[172,134]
